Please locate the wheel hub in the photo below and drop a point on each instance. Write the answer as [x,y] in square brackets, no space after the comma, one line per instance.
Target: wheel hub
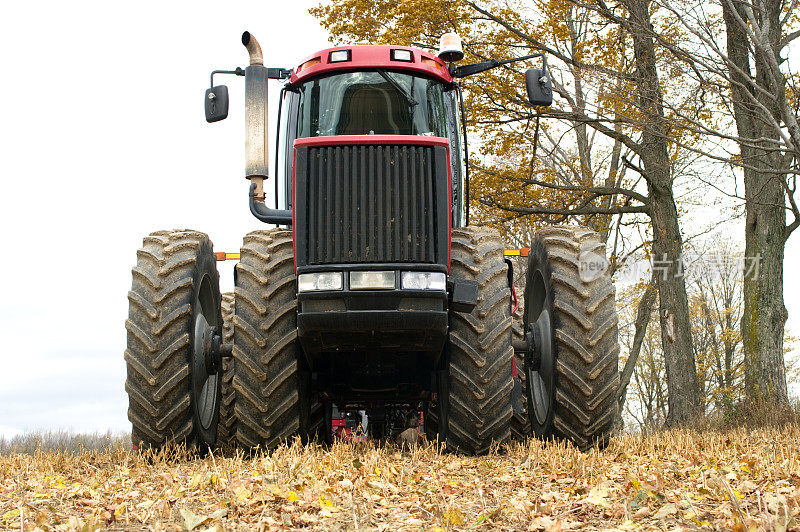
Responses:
[531,347]
[533,353]
[207,354]
[540,371]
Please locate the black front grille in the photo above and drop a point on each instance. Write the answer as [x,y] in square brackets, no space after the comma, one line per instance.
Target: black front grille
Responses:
[370,204]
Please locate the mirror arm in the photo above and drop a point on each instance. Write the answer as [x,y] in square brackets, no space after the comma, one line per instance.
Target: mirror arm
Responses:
[469,70]
[272,73]
[279,73]
[238,72]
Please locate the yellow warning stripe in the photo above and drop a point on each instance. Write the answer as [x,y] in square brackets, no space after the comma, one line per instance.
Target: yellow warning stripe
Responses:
[221,255]
[522,252]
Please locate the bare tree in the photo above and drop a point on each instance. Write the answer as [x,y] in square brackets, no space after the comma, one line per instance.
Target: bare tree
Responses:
[741,61]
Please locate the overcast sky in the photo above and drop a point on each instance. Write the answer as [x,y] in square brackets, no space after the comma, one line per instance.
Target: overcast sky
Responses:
[104,140]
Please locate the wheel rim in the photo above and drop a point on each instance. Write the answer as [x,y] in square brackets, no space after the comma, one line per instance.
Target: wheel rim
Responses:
[204,384]
[540,387]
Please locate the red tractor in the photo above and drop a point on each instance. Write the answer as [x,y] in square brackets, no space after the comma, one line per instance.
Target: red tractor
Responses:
[372,291]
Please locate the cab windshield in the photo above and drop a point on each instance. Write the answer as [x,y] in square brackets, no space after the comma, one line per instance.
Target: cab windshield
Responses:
[372,103]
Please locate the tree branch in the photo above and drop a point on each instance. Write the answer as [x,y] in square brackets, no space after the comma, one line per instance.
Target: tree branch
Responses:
[580,211]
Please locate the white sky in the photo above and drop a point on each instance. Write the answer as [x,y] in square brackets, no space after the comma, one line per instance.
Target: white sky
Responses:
[102,140]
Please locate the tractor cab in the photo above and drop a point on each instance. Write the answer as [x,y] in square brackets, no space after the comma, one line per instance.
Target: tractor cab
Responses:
[370,91]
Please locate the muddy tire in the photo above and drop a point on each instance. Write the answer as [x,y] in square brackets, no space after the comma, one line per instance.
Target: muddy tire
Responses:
[175,290]
[569,297]
[267,379]
[475,395]
[226,430]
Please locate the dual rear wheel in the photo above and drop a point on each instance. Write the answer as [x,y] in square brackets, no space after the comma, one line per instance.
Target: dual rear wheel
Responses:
[569,372]
[180,389]
[173,387]
[571,369]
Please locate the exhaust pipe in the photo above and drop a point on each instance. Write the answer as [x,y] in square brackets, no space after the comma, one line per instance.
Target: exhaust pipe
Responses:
[255,145]
[253,48]
[255,115]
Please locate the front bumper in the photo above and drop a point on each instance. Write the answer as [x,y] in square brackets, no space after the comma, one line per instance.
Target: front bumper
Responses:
[368,320]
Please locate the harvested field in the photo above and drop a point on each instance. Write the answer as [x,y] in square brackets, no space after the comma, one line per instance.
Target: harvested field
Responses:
[741,480]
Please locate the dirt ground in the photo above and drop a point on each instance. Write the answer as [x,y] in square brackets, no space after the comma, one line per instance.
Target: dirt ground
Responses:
[740,480]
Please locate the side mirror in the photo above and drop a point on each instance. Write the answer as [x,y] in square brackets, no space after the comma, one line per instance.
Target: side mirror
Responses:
[540,87]
[216,103]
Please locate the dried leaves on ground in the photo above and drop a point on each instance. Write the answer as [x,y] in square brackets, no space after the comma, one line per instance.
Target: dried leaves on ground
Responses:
[739,480]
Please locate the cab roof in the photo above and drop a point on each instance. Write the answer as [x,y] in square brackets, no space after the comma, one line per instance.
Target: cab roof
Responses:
[368,57]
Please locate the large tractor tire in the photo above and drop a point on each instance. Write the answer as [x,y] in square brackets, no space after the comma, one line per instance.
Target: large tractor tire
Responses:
[226,430]
[474,395]
[571,315]
[268,382]
[173,394]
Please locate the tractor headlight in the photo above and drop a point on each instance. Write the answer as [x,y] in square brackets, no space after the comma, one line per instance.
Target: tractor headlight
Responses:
[372,280]
[313,282]
[423,281]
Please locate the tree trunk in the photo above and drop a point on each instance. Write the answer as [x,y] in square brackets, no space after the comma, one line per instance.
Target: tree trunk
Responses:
[640,328]
[683,390]
[764,314]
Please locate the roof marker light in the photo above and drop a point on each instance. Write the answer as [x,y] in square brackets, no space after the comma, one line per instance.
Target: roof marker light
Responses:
[338,56]
[307,64]
[430,62]
[402,55]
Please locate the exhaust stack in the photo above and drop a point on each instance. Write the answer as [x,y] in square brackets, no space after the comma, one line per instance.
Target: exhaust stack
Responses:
[253,48]
[255,116]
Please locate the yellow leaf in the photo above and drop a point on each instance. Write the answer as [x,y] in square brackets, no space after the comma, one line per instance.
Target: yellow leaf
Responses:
[326,504]
[293,496]
[192,520]
[454,517]
[597,496]
[242,494]
[9,516]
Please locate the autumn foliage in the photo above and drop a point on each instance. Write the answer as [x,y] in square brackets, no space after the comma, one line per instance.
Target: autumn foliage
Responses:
[736,480]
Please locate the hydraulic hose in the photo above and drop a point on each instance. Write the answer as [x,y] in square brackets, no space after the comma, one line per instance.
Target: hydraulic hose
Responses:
[265,214]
